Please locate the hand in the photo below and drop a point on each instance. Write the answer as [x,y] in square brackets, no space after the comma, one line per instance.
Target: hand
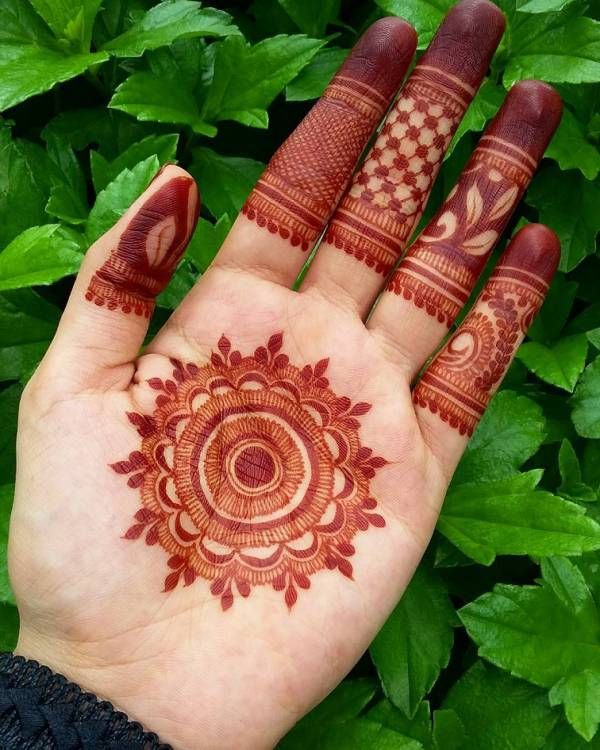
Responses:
[210,534]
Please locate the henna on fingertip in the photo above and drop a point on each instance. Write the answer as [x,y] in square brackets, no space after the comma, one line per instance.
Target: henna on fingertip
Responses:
[148,250]
[461,380]
[442,266]
[388,194]
[305,178]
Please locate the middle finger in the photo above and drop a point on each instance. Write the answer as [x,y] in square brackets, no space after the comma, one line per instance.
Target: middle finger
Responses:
[378,213]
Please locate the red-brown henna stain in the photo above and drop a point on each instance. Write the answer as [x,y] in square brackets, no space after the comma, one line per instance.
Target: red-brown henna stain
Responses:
[461,380]
[251,472]
[388,194]
[305,178]
[141,265]
[442,266]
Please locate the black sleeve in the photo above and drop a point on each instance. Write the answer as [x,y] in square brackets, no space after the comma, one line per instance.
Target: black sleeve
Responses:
[40,710]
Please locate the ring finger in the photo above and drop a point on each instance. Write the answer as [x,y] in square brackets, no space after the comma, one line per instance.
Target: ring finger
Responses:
[438,273]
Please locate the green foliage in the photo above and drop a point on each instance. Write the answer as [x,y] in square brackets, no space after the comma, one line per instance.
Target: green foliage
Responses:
[97,95]
[415,643]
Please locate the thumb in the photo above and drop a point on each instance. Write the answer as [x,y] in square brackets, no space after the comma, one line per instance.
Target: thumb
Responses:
[107,314]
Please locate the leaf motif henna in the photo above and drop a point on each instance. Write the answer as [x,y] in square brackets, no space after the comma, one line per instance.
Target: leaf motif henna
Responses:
[442,266]
[148,251]
[251,473]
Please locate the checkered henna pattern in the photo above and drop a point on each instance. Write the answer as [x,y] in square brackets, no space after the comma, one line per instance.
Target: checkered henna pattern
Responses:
[442,266]
[388,194]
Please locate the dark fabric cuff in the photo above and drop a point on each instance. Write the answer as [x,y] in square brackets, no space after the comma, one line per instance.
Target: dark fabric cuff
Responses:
[41,710]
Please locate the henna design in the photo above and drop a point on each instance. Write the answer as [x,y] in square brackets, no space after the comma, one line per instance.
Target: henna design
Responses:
[462,378]
[442,266]
[251,473]
[141,265]
[388,194]
[306,176]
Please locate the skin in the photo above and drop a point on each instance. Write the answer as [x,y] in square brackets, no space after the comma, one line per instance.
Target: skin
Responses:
[92,604]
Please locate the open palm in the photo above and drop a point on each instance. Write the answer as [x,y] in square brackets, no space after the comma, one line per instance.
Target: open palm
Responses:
[210,534]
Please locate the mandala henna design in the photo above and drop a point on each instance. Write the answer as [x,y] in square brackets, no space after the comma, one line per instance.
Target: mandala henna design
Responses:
[142,264]
[388,194]
[462,378]
[305,178]
[442,266]
[251,472]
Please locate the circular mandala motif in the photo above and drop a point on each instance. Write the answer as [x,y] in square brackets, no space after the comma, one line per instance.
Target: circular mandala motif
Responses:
[251,472]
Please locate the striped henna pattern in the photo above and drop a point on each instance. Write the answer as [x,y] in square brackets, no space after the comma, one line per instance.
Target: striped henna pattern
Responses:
[251,473]
[305,178]
[462,378]
[388,194]
[442,266]
[148,251]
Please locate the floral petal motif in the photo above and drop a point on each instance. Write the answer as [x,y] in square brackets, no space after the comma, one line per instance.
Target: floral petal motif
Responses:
[251,472]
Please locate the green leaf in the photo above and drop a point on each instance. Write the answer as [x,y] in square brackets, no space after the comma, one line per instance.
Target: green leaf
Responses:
[448,730]
[528,631]
[511,517]
[565,53]
[183,280]
[571,148]
[9,410]
[109,130]
[27,325]
[484,106]
[31,60]
[424,15]
[569,585]
[206,241]
[245,79]
[560,364]
[499,712]
[225,181]
[9,627]
[586,402]
[554,313]
[563,737]
[68,196]
[359,734]
[580,694]
[164,147]
[24,192]
[40,255]
[418,727]
[115,199]
[344,704]
[543,6]
[511,431]
[156,98]
[311,16]
[168,21]
[69,21]
[414,644]
[568,203]
[7,492]
[572,486]
[316,76]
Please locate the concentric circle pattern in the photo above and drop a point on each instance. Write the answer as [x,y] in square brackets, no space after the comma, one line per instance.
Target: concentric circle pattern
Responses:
[251,473]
